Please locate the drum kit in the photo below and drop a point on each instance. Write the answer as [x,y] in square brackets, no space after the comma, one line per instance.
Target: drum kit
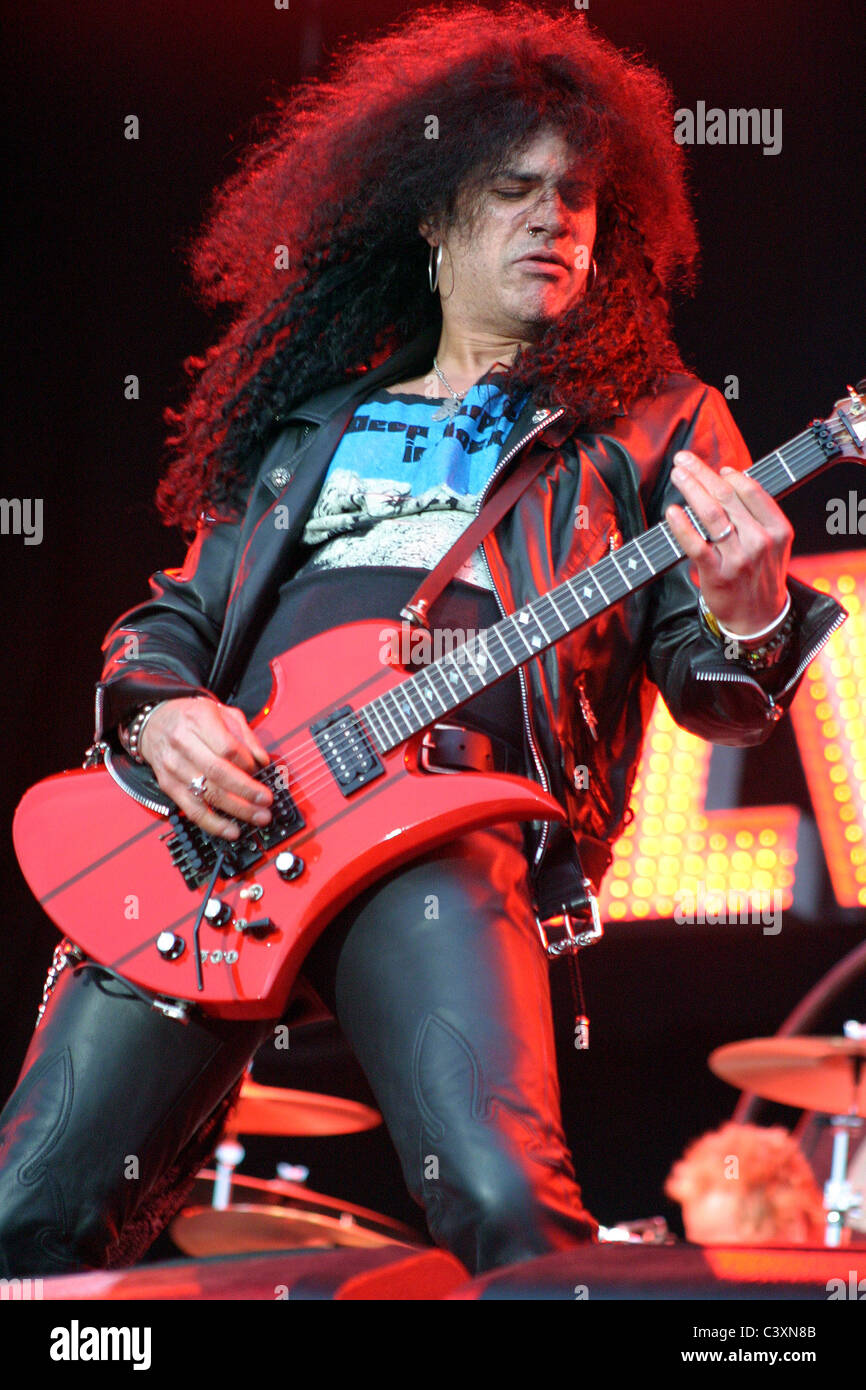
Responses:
[230,1215]
[823,1074]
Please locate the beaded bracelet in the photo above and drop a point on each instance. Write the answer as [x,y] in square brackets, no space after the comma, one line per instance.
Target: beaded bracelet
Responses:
[130,734]
[769,652]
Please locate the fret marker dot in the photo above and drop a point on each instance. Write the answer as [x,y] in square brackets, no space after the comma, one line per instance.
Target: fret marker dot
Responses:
[587,591]
[523,617]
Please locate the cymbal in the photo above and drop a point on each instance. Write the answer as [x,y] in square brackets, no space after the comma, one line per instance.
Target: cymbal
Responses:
[273,1110]
[244,1229]
[824,1074]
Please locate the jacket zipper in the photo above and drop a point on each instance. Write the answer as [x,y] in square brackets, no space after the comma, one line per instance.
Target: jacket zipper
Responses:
[162,808]
[774,712]
[524,697]
[100,752]
[586,709]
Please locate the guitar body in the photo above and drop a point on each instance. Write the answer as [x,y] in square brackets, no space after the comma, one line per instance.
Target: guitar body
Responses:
[129,884]
[100,863]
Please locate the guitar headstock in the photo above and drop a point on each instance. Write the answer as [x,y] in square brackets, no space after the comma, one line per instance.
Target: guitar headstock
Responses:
[847,424]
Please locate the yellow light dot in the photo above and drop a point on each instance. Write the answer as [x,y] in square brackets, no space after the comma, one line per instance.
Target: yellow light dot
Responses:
[619,890]
[838,774]
[744,838]
[616,910]
[853,834]
[830,728]
[842,793]
[847,813]
[640,909]
[768,837]
[823,711]
[832,753]
[847,584]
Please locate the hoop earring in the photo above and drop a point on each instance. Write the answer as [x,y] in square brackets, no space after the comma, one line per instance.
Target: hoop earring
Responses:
[434,282]
[594,269]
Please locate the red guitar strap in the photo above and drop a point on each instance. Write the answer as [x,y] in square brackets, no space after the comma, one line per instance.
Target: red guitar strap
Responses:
[418,607]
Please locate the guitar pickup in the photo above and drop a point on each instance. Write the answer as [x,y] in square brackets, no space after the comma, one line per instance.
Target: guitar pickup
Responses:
[345,745]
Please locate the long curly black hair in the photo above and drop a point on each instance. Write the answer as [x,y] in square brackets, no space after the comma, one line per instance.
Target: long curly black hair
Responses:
[313,241]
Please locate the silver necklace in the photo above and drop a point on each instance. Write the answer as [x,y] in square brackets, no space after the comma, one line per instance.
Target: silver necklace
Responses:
[448,409]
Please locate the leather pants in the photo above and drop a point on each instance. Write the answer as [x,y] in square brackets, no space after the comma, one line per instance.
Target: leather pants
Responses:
[439,982]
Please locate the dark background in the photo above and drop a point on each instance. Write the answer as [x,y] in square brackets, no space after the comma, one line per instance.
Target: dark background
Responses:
[96,289]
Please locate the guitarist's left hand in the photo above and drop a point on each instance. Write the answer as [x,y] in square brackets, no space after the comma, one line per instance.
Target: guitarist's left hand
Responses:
[743,577]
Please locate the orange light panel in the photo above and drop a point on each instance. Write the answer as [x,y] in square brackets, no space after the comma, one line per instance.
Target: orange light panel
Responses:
[676,856]
[829,716]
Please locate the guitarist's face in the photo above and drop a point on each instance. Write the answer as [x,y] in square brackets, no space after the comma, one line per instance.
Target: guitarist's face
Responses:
[486,283]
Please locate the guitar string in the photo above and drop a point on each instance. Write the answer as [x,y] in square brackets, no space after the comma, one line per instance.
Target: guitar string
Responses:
[307,753]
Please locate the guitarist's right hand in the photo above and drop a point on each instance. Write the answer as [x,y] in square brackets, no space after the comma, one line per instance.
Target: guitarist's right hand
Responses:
[197,737]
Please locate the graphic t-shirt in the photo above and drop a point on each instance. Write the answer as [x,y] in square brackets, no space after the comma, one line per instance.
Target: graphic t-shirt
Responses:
[401,487]
[404,481]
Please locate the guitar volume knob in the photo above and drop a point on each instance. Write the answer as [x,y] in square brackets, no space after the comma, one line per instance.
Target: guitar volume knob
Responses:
[288,865]
[217,913]
[169,945]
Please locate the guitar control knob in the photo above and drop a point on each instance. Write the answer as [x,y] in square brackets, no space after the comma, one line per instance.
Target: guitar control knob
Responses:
[169,945]
[217,913]
[262,926]
[288,865]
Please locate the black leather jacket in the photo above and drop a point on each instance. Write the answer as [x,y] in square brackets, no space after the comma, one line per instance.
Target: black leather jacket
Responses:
[588,698]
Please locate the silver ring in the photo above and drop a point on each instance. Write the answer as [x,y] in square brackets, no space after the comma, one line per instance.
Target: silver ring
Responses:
[198,786]
[714,540]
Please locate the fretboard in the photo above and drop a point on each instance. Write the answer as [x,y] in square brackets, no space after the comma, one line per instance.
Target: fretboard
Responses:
[446,683]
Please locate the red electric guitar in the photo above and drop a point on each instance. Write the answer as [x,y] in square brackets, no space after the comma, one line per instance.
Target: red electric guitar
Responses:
[226,924]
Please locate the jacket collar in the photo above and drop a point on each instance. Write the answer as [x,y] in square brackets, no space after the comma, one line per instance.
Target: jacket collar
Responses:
[408,360]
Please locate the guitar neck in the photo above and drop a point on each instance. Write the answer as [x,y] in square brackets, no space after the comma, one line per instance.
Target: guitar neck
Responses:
[445,684]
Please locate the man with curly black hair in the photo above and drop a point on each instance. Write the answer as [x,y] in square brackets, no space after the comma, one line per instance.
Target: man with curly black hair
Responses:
[452,256]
